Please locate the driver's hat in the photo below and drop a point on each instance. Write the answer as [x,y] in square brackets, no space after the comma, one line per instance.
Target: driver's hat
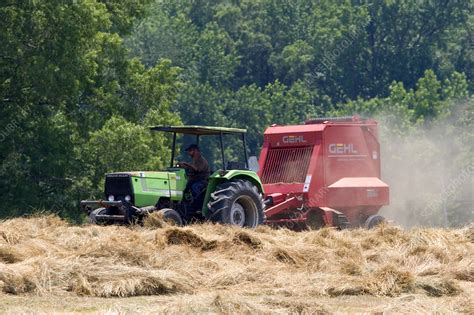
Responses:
[192,147]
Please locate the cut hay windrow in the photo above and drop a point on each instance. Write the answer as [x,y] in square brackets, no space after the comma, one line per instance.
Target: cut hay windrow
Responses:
[46,256]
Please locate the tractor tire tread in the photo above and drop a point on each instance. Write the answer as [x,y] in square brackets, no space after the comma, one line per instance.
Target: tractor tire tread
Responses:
[221,199]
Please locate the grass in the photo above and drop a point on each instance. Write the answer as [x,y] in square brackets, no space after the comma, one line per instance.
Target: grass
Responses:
[48,266]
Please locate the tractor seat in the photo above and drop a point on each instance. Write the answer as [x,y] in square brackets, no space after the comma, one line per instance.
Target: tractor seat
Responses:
[233,165]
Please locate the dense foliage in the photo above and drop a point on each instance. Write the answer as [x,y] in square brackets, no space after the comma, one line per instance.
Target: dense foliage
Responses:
[81,80]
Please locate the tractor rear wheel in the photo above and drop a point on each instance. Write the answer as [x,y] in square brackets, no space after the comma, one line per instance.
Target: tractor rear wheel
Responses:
[93,215]
[171,216]
[237,202]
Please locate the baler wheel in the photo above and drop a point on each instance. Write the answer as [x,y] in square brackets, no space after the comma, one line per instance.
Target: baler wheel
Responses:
[373,221]
[93,214]
[171,216]
[315,221]
[237,202]
[341,221]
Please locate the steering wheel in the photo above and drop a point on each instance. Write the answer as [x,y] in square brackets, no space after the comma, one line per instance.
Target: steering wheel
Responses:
[186,170]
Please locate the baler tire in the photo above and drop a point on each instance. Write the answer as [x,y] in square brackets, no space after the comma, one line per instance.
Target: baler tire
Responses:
[237,202]
[374,221]
[171,216]
[314,221]
[93,214]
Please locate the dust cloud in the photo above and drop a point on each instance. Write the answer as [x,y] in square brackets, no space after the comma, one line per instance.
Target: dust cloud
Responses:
[430,172]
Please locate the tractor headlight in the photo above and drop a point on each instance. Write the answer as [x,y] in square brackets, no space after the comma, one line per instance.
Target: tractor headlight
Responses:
[128,198]
[111,198]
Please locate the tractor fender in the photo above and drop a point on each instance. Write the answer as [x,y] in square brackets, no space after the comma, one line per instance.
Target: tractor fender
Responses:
[242,174]
[221,176]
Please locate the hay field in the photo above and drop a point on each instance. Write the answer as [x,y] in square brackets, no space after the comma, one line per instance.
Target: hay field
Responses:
[47,265]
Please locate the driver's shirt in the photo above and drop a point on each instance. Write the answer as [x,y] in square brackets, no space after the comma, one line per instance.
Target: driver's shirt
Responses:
[202,169]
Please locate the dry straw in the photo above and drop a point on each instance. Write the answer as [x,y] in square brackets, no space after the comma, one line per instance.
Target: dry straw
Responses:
[260,269]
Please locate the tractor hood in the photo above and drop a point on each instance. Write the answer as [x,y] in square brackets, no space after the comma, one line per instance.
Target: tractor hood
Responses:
[147,174]
[147,187]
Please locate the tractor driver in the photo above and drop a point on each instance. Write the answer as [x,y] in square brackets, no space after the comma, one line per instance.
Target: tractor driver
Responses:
[198,173]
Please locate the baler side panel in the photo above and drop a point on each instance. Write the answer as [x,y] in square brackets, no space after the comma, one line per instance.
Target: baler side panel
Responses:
[316,192]
[346,154]
[371,137]
[353,152]
[263,156]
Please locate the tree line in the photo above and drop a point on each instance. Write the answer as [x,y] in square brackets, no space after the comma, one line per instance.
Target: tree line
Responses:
[82,80]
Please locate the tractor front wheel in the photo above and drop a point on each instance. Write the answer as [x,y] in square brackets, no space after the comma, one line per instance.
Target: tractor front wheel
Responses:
[171,216]
[237,202]
[93,215]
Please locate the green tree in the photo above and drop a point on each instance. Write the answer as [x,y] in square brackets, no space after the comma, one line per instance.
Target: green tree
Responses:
[120,146]
[64,72]
[216,56]
[249,108]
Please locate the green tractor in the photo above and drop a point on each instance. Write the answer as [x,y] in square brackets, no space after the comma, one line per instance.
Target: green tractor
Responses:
[234,195]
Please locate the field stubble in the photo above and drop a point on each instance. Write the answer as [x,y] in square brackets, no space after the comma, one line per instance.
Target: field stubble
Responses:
[48,265]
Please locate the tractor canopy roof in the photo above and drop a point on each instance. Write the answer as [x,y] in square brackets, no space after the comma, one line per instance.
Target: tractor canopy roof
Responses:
[199,130]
